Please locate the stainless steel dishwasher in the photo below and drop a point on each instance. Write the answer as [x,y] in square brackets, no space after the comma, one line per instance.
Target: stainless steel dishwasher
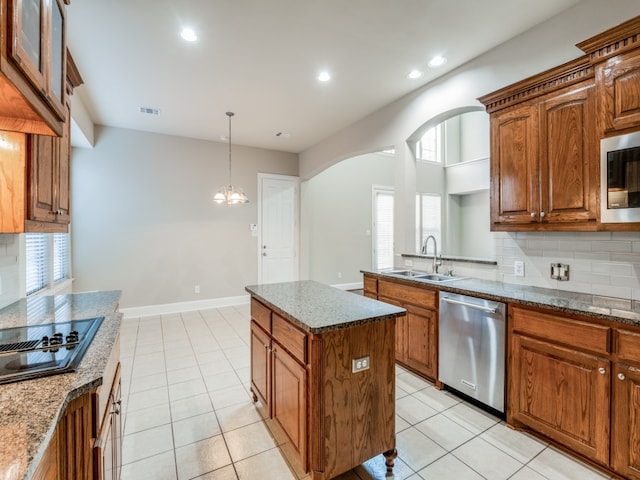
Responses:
[471,345]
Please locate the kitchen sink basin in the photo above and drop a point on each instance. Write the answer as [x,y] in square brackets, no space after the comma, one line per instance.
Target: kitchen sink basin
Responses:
[433,277]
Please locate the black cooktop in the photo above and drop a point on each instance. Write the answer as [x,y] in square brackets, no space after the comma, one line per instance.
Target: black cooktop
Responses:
[39,350]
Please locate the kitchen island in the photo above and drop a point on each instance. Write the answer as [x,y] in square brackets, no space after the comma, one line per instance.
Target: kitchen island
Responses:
[33,409]
[323,375]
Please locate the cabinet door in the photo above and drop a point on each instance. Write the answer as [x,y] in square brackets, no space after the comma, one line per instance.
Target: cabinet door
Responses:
[563,394]
[618,82]
[514,166]
[567,156]
[47,469]
[625,434]
[261,369]
[27,47]
[103,452]
[57,58]
[401,330]
[75,439]
[40,178]
[289,408]
[62,175]
[421,350]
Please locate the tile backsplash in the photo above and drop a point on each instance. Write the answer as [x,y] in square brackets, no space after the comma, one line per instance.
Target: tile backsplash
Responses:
[9,269]
[600,263]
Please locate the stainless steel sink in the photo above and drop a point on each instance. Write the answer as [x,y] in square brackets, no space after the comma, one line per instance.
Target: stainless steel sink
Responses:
[433,277]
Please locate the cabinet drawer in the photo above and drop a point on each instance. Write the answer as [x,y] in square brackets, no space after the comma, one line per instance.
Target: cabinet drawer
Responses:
[417,296]
[261,315]
[628,345]
[290,337]
[558,329]
[370,286]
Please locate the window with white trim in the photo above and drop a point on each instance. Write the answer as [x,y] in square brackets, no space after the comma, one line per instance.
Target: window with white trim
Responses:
[382,227]
[47,260]
[430,148]
[428,220]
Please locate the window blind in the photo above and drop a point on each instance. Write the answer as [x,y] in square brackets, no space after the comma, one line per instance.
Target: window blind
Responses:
[383,228]
[60,256]
[428,220]
[37,251]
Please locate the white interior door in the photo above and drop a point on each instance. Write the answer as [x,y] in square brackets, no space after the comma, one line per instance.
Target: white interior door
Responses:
[278,259]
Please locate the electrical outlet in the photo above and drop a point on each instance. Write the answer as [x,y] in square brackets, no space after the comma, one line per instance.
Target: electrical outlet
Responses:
[560,271]
[518,268]
[196,289]
[360,364]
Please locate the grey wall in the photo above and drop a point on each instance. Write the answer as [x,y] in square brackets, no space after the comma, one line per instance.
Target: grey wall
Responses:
[144,222]
[336,215]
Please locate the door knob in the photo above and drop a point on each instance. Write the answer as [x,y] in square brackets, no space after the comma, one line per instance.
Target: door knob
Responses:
[602,371]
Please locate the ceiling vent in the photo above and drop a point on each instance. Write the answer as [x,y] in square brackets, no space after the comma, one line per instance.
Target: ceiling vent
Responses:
[150,111]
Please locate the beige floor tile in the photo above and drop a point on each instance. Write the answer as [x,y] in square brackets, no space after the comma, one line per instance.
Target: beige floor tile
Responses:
[224,473]
[158,467]
[248,441]
[411,383]
[555,465]
[147,399]
[222,381]
[194,429]
[487,460]
[526,473]
[445,432]
[449,467]
[183,375]
[211,356]
[146,444]
[187,361]
[214,368]
[238,415]
[201,457]
[267,465]
[401,424]
[471,418]
[376,469]
[190,407]
[413,410]
[439,400]
[149,348]
[519,445]
[416,449]
[149,382]
[229,396]
[146,418]
[190,388]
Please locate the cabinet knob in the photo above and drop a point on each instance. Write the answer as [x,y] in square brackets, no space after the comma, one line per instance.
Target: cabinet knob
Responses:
[541,214]
[602,370]
[266,347]
[533,214]
[621,376]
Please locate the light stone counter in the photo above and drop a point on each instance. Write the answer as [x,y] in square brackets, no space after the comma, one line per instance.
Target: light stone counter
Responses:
[319,308]
[29,410]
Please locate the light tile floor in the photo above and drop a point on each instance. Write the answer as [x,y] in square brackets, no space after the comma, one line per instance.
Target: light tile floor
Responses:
[188,414]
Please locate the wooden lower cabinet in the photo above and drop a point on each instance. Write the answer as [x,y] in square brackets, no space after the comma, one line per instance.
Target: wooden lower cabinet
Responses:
[327,419]
[563,394]
[417,332]
[107,451]
[577,382]
[48,466]
[76,433]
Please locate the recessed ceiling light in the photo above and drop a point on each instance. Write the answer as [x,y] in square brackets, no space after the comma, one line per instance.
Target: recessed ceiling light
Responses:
[324,77]
[437,61]
[415,74]
[189,34]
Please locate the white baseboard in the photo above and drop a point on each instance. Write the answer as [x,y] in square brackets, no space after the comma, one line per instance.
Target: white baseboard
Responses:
[169,308]
[349,286]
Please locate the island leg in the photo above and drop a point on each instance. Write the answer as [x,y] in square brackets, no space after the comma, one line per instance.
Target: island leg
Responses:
[390,456]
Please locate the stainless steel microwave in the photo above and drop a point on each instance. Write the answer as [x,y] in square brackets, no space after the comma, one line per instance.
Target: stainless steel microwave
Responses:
[620,178]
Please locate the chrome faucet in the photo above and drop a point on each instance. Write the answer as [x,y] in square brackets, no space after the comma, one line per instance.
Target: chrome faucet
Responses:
[436,262]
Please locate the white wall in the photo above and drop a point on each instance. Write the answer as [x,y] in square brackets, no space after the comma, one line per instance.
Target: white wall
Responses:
[611,260]
[336,217]
[9,269]
[144,222]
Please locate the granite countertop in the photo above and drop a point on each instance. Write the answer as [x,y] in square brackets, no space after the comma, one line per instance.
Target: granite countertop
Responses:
[318,308]
[596,306]
[31,408]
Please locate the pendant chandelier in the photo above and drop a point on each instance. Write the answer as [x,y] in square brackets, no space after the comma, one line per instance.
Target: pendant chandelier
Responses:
[228,194]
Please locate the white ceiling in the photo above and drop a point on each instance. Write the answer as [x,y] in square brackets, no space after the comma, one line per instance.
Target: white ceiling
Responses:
[260,58]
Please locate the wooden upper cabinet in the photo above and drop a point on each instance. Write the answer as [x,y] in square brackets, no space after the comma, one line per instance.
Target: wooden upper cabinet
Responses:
[33,66]
[616,57]
[568,158]
[543,152]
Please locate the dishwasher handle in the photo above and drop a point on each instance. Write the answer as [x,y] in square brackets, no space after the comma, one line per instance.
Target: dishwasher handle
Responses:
[470,305]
